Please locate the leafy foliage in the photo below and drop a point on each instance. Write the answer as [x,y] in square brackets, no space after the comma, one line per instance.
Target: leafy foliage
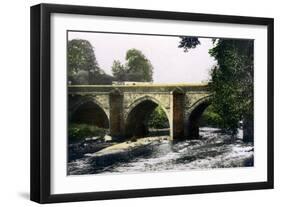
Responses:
[231,80]
[137,68]
[83,67]
[211,118]
[118,71]
[188,43]
[158,119]
[81,60]
[82,131]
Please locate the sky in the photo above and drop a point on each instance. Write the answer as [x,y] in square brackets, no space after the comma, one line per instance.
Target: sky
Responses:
[170,63]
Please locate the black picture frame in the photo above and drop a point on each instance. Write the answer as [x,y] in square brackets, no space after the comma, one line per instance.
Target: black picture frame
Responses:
[41,95]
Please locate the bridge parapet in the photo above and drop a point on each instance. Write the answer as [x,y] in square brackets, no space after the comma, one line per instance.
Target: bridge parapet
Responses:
[137,88]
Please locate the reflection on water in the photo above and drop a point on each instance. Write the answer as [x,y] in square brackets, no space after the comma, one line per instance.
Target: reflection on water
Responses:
[213,150]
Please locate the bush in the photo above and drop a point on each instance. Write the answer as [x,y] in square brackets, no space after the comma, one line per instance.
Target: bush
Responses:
[81,131]
[158,119]
[211,118]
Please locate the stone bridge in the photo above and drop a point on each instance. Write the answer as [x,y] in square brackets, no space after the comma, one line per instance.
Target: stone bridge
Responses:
[124,109]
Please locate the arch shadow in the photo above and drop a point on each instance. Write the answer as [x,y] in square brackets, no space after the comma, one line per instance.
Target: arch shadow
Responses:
[89,111]
[136,121]
[194,115]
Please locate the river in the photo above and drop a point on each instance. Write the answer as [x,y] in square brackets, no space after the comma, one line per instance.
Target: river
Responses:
[214,149]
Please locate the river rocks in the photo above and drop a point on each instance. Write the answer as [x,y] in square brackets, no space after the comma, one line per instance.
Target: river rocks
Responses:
[107,138]
[124,151]
[78,149]
[92,138]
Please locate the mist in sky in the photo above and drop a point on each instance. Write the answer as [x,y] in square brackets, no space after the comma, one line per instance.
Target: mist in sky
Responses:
[170,63]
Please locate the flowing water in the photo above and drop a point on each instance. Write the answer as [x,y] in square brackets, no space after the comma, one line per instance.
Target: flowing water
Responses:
[214,149]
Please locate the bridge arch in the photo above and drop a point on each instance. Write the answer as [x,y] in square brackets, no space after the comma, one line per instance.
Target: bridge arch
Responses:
[90,111]
[193,116]
[138,114]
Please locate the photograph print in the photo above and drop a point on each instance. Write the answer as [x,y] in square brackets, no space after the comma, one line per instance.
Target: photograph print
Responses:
[143,103]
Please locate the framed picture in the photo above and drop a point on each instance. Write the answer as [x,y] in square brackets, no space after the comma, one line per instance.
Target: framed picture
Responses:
[132,103]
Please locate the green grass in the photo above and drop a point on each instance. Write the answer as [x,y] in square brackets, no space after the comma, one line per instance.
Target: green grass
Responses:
[78,132]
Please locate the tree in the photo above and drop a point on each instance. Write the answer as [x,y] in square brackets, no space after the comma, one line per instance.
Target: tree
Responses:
[83,67]
[136,68]
[81,57]
[118,70]
[188,43]
[80,78]
[231,82]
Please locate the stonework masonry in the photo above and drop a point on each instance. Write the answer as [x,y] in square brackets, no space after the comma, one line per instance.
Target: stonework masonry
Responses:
[124,108]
